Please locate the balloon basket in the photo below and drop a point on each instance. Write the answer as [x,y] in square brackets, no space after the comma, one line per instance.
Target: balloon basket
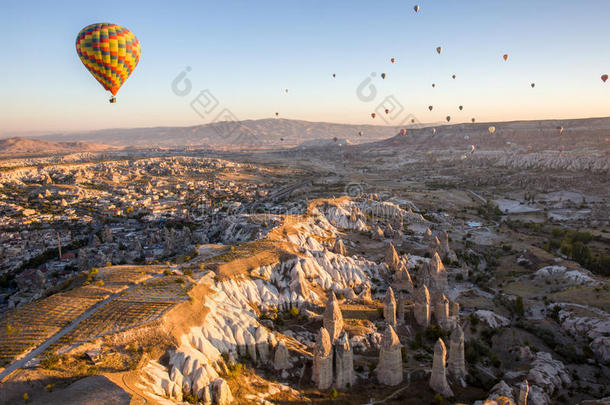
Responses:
[112,100]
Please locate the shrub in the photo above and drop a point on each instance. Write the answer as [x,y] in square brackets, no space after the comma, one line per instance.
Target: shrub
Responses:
[188,272]
[294,312]
[333,394]
[50,360]
[26,397]
[438,399]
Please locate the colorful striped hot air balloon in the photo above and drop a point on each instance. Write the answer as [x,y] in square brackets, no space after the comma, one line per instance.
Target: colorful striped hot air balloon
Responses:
[109,52]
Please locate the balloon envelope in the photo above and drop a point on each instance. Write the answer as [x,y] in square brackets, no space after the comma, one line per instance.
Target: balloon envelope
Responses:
[416,8]
[448,118]
[505,56]
[439,49]
[430,107]
[383,75]
[604,78]
[491,130]
[109,52]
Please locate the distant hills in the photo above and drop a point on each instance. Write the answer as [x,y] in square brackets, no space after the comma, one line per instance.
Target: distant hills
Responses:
[238,134]
[284,133]
[17,145]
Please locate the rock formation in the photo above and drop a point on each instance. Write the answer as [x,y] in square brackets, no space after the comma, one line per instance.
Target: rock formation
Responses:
[339,247]
[441,310]
[400,310]
[281,360]
[332,317]
[365,294]
[456,363]
[438,274]
[391,257]
[402,280]
[389,308]
[344,362]
[389,369]
[438,380]
[524,390]
[222,393]
[455,309]
[422,307]
[322,372]
[377,233]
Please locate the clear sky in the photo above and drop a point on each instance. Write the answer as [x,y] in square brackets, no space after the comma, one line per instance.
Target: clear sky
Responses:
[247,52]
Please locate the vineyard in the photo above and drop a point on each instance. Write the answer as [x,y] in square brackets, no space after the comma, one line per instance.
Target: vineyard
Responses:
[31,324]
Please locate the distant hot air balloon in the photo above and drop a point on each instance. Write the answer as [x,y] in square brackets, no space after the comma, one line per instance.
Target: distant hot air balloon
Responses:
[109,52]
[387,111]
[412,120]
[416,8]
[392,60]
[505,57]
[448,118]
[466,137]
[277,114]
[433,131]
[383,75]
[461,108]
[533,85]
[473,120]
[453,76]
[282,139]
[403,132]
[472,148]
[373,115]
[491,129]
[335,139]
[433,85]
[286,90]
[430,107]
[529,148]
[360,133]
[560,130]
[604,78]
[334,75]
[439,49]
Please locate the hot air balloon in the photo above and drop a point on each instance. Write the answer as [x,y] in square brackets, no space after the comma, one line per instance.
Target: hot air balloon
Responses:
[387,111]
[453,77]
[466,137]
[433,85]
[286,90]
[505,57]
[491,130]
[439,49]
[473,120]
[335,139]
[448,118]
[533,85]
[392,60]
[383,75]
[412,120]
[373,115]
[109,52]
[472,148]
[403,132]
[433,131]
[604,78]
[282,139]
[334,75]
[416,8]
[461,108]
[360,133]
[430,107]
[560,130]
[277,114]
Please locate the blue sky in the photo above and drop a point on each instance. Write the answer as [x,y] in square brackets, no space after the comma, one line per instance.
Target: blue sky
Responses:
[247,52]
